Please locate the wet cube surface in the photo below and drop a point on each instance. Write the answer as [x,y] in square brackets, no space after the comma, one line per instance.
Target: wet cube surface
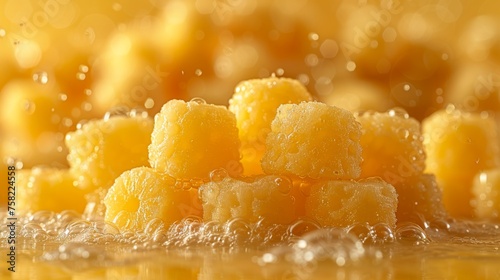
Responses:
[142,194]
[191,139]
[392,146]
[100,150]
[340,203]
[259,197]
[254,104]
[313,140]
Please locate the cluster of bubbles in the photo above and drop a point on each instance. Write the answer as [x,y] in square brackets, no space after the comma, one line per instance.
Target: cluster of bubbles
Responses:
[80,241]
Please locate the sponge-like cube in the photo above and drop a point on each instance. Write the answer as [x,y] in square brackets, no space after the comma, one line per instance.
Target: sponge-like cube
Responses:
[142,194]
[100,150]
[341,203]
[191,139]
[392,146]
[254,104]
[269,197]
[314,140]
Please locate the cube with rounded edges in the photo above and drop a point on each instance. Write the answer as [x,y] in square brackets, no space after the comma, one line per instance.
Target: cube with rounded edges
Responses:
[458,146]
[392,146]
[142,194]
[191,139]
[48,189]
[314,140]
[486,193]
[254,104]
[265,196]
[341,203]
[100,150]
[419,200]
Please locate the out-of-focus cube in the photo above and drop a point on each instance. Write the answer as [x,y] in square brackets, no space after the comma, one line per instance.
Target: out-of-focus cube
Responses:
[458,146]
[392,146]
[486,191]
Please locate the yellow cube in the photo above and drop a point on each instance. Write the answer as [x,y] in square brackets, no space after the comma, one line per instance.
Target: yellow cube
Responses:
[100,150]
[251,199]
[486,191]
[341,203]
[191,139]
[458,146]
[358,95]
[314,140]
[254,104]
[392,146]
[48,189]
[142,194]
[33,122]
[419,200]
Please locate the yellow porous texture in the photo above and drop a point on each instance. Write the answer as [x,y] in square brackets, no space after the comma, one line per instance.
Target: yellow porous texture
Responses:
[191,139]
[257,197]
[100,150]
[392,146]
[254,104]
[341,203]
[142,194]
[312,139]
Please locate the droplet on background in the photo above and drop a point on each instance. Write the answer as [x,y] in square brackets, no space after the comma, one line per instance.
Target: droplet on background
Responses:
[41,77]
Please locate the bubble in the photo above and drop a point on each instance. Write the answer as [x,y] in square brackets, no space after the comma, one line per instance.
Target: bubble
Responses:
[30,229]
[333,244]
[116,111]
[83,68]
[88,92]
[2,33]
[62,96]
[311,60]
[280,72]
[382,233]
[284,185]
[43,217]
[86,106]
[302,227]
[138,113]
[198,100]
[81,76]
[389,35]
[351,66]
[218,175]
[398,112]
[313,36]
[329,48]
[412,233]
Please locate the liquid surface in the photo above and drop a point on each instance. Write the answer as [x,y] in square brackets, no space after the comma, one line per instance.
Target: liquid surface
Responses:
[67,246]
